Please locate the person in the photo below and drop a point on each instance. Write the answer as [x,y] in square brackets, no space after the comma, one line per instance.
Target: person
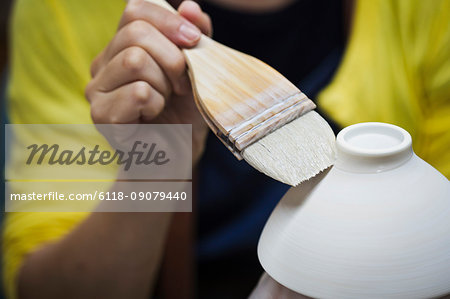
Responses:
[140,75]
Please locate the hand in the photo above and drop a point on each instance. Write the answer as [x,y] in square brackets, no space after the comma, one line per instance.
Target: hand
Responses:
[140,77]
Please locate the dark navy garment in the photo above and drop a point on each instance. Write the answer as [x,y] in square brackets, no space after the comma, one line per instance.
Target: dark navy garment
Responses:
[303,41]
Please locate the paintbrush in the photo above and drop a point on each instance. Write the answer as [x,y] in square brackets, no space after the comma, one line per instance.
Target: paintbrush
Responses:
[257,113]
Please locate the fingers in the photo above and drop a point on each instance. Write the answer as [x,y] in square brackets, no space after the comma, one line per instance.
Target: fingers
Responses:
[132,64]
[149,26]
[176,28]
[132,103]
[165,54]
[192,12]
[143,65]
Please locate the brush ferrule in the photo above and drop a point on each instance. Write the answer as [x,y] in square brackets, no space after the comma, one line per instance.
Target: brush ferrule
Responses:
[268,121]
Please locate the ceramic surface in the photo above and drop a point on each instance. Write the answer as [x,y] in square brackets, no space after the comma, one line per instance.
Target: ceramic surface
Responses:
[376,225]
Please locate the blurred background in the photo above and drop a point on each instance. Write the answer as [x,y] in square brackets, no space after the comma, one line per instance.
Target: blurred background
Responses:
[5,7]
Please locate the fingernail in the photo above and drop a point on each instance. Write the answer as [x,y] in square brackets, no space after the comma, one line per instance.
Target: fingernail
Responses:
[190,33]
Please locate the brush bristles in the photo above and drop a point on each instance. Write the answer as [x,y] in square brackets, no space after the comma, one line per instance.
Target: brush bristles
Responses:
[295,152]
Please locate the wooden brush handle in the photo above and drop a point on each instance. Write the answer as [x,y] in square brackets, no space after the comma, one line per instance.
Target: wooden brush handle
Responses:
[223,136]
[240,97]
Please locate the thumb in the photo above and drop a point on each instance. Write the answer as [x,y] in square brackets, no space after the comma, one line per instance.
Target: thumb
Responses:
[192,12]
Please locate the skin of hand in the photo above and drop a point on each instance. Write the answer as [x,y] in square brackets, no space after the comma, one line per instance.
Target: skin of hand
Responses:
[140,77]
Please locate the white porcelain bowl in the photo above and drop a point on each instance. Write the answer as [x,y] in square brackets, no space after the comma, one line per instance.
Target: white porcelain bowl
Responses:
[376,225]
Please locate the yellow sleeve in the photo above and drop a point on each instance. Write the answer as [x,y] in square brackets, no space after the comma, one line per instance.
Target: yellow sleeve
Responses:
[52,44]
[397,70]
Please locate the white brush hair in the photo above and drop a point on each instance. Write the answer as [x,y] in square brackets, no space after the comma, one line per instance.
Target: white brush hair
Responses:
[296,151]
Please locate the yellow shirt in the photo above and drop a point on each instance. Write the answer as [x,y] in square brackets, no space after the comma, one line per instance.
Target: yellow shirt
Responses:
[53,43]
[396,70]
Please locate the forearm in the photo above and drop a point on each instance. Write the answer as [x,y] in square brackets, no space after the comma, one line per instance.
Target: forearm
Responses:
[109,255]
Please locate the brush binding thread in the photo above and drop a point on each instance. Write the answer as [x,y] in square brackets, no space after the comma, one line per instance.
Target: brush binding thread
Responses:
[269,124]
